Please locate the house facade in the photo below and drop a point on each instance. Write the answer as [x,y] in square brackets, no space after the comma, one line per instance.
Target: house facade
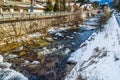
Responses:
[116,2]
[103,2]
[20,6]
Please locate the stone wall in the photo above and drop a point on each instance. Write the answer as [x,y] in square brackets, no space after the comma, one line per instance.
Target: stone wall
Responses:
[14,27]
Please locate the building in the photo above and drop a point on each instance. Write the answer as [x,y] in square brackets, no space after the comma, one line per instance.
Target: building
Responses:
[21,6]
[116,2]
[103,2]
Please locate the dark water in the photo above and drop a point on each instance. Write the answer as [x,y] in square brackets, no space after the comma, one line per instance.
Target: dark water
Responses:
[73,38]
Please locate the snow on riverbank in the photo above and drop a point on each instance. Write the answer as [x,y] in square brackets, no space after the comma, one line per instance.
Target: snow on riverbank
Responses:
[8,74]
[57,29]
[99,56]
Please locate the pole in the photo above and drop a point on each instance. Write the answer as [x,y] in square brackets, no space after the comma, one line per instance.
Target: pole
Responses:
[31,6]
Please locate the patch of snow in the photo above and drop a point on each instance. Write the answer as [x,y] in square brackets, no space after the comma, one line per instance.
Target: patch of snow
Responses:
[1,58]
[45,51]
[5,65]
[56,29]
[35,35]
[49,39]
[30,36]
[67,50]
[19,48]
[79,33]
[75,32]
[36,62]
[26,62]
[86,27]
[55,38]
[39,6]
[54,49]
[93,19]
[8,74]
[69,37]
[59,34]
[10,56]
[91,23]
[60,46]
[73,43]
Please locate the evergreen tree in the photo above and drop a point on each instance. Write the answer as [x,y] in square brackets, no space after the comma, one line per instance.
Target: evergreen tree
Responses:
[95,5]
[81,1]
[49,6]
[56,6]
[74,1]
[64,5]
[118,6]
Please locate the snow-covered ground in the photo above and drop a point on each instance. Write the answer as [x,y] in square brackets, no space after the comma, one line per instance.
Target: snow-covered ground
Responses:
[98,57]
[57,29]
[8,74]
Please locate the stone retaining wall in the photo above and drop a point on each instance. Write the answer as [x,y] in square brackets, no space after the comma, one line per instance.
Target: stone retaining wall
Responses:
[13,27]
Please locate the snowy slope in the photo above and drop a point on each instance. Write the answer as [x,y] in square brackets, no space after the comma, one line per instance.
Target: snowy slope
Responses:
[100,58]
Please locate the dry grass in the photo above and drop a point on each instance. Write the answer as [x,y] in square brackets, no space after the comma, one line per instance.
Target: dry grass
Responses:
[80,78]
[9,47]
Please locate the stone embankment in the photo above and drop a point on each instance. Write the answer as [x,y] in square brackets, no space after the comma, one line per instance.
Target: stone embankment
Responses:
[14,25]
[20,25]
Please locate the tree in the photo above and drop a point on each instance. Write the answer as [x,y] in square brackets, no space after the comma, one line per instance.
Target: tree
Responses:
[64,5]
[81,1]
[118,6]
[76,8]
[56,6]
[95,5]
[49,6]
[69,7]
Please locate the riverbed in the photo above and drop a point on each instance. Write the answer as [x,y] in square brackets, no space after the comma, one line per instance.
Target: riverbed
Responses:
[49,62]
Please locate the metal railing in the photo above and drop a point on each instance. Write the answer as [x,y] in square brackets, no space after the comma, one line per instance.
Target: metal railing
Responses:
[22,15]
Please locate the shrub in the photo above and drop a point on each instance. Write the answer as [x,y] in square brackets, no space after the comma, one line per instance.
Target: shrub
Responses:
[96,49]
[118,6]
[107,15]
[76,8]
[49,6]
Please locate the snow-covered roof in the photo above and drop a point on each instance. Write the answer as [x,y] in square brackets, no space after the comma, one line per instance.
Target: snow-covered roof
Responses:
[102,1]
[39,6]
[35,6]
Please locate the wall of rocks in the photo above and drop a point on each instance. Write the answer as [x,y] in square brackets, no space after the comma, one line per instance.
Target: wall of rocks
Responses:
[14,27]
